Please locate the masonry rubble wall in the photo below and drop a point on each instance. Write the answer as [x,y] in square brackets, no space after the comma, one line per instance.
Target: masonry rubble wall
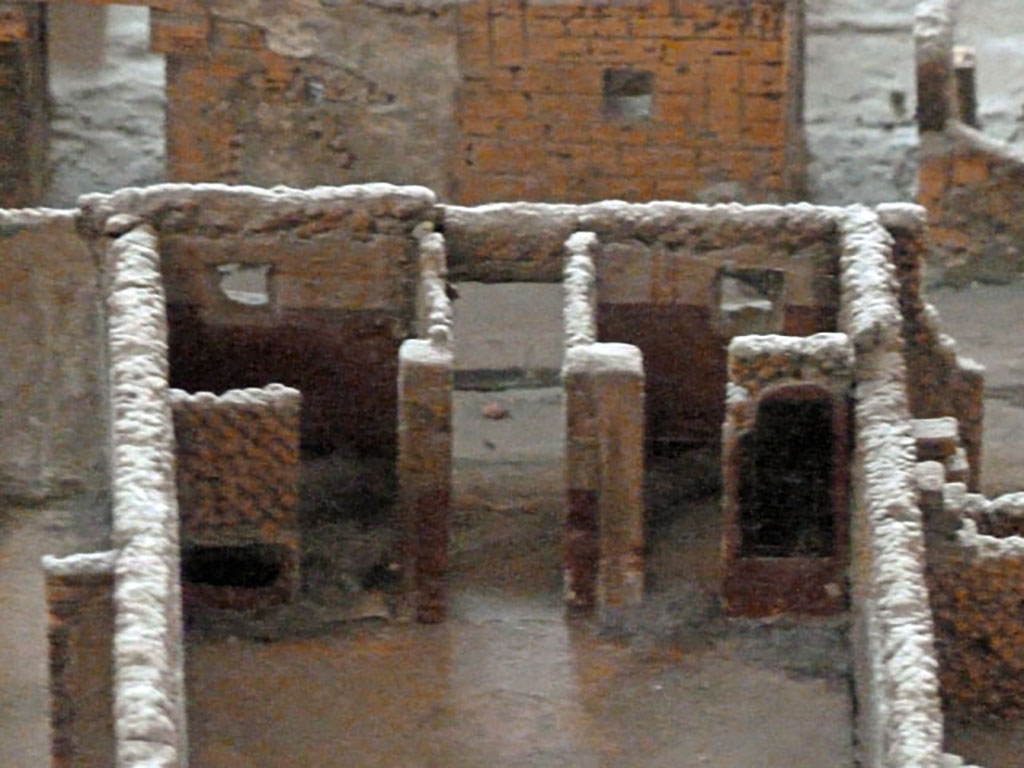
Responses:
[603,545]
[976,569]
[237,469]
[149,697]
[899,719]
[425,386]
[794,369]
[339,279]
[970,183]
[940,382]
[52,360]
[80,633]
[660,267]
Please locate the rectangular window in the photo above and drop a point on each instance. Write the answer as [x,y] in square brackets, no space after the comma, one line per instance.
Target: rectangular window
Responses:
[628,94]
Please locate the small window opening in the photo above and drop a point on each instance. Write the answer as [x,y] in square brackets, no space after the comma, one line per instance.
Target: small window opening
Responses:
[786,480]
[247,284]
[628,93]
[250,566]
[750,301]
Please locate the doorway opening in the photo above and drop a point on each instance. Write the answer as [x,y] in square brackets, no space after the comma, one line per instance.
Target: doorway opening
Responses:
[786,482]
[509,436]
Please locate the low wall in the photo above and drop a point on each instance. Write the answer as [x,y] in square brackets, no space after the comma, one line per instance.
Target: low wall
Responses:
[425,385]
[899,720]
[149,697]
[940,382]
[52,359]
[237,468]
[603,551]
[976,576]
[80,632]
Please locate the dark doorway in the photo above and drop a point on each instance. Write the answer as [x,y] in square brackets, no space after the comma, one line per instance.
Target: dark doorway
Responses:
[786,507]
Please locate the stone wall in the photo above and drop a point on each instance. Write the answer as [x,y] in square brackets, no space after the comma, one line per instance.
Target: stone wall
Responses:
[940,383]
[237,466]
[899,721]
[52,359]
[312,289]
[149,695]
[80,632]
[603,550]
[971,184]
[641,100]
[663,269]
[425,385]
[24,132]
[975,575]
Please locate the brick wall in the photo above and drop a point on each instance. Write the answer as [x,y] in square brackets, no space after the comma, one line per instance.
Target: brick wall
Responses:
[540,120]
[255,97]
[603,545]
[149,688]
[425,385]
[80,599]
[238,476]
[899,719]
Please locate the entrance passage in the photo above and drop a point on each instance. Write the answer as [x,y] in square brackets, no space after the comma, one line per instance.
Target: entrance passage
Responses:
[785,488]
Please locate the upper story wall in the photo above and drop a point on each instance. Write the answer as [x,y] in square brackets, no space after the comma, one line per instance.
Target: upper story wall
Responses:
[645,99]
[302,93]
[480,100]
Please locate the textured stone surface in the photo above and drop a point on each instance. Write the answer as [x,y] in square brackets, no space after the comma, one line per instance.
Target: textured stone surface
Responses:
[149,696]
[895,665]
[255,96]
[976,595]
